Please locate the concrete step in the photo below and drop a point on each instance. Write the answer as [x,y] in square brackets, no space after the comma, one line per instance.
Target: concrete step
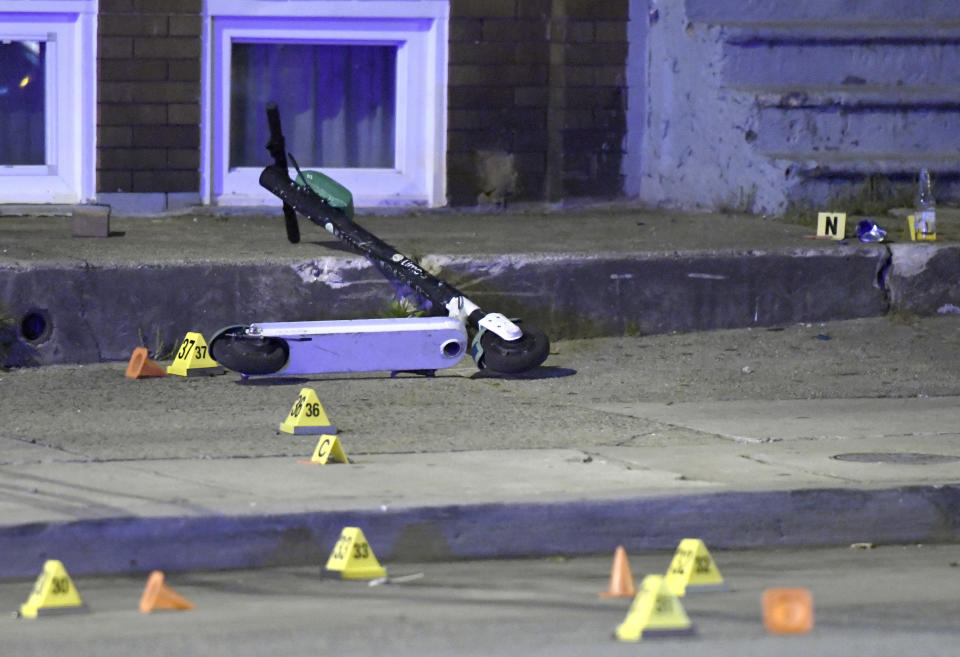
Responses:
[843,164]
[599,272]
[856,97]
[822,12]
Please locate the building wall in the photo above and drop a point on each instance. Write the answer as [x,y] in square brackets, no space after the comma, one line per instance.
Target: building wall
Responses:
[148,119]
[760,106]
[698,104]
[537,99]
[537,102]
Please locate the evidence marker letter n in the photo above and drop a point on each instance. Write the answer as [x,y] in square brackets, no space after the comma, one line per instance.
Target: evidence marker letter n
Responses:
[832,225]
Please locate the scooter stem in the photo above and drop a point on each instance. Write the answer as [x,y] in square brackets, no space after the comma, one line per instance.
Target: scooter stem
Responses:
[390,261]
[277,147]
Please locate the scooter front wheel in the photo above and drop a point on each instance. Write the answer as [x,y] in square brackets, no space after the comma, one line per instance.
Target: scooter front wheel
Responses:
[241,352]
[515,356]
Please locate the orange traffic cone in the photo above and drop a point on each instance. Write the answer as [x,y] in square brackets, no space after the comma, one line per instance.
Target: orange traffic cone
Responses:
[141,367]
[158,595]
[621,579]
[788,610]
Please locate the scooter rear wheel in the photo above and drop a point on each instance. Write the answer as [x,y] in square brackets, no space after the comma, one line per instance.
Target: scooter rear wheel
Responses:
[233,348]
[515,356]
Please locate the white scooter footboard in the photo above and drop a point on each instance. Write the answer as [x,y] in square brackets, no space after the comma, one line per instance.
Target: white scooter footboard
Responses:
[367,345]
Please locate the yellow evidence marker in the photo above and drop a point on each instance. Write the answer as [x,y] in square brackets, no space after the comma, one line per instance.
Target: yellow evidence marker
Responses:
[693,570]
[193,358]
[53,593]
[353,557]
[832,224]
[655,612]
[306,416]
[328,449]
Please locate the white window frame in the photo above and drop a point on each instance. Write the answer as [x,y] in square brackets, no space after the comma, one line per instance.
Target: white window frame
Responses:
[419,30]
[69,27]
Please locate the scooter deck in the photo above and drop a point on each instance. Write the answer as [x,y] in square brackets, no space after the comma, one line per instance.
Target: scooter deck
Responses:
[367,345]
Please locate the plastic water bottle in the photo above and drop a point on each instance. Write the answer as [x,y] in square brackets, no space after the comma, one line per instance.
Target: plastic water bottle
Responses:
[925,212]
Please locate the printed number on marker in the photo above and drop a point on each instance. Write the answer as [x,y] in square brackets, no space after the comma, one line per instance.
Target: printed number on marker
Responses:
[297,406]
[61,586]
[185,348]
[38,588]
[681,561]
[312,409]
[360,550]
[188,345]
[340,552]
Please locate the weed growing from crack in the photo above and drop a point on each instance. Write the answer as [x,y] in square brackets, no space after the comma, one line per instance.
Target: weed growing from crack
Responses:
[8,336]
[162,350]
[401,308]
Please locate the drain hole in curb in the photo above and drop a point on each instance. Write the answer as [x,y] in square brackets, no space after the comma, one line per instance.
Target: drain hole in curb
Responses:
[35,325]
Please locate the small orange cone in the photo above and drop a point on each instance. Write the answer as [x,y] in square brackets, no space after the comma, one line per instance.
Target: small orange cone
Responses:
[621,579]
[158,595]
[788,610]
[141,367]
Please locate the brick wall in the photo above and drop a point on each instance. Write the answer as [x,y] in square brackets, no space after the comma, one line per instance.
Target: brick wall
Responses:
[539,81]
[594,43]
[544,82]
[148,111]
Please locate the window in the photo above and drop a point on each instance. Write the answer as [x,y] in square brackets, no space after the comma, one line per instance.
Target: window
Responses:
[22,102]
[47,96]
[340,99]
[361,89]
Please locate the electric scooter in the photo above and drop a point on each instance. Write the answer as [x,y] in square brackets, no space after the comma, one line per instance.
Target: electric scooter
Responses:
[417,344]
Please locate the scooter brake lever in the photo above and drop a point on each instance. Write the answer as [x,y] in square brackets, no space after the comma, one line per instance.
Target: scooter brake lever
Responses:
[296,165]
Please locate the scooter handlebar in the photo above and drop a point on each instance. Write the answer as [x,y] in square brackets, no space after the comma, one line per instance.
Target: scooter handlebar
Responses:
[276,145]
[278,150]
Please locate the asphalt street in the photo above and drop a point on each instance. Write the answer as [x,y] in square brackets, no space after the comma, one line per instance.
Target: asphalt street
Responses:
[585,396]
[885,601]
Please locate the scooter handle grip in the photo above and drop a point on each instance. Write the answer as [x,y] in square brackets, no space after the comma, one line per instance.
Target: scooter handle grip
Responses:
[278,149]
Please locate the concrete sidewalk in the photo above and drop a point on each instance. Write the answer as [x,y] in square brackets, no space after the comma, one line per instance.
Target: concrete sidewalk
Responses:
[812,434]
[785,431]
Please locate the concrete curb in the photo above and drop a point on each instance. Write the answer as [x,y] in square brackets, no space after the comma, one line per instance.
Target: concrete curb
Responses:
[102,312]
[911,514]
